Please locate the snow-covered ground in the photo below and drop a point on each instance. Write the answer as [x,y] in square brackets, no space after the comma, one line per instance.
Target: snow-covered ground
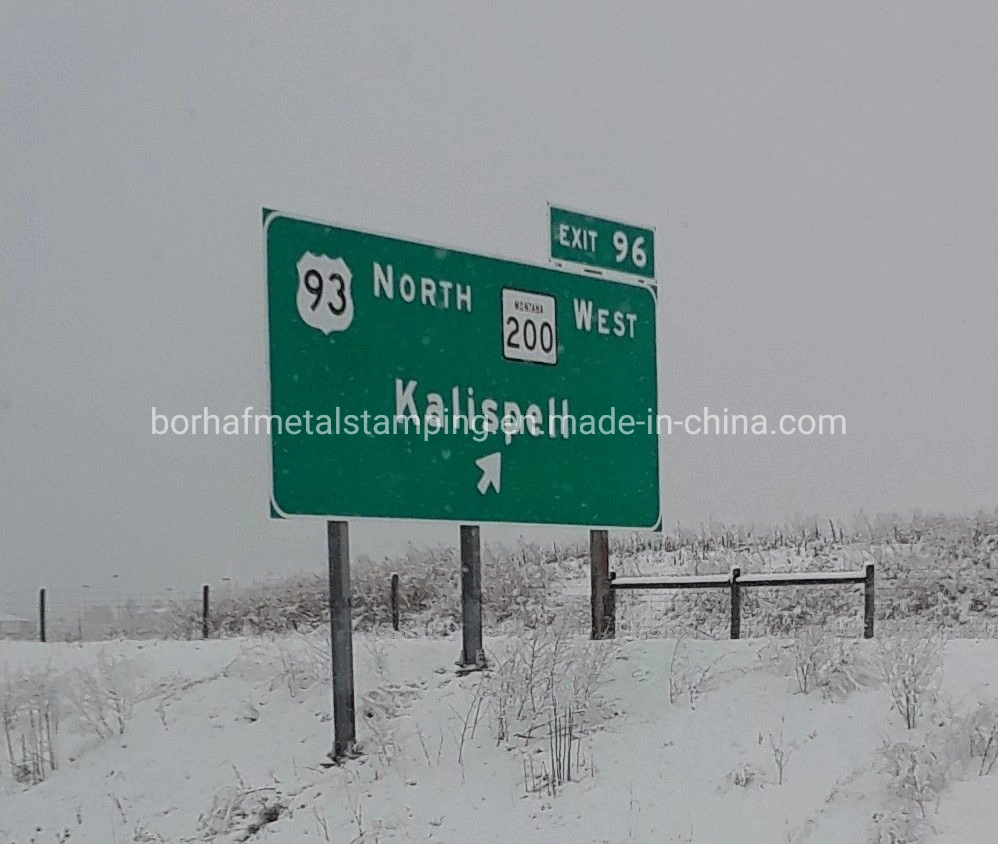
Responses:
[226,740]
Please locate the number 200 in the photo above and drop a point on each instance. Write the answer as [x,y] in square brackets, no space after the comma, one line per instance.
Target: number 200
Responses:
[530,333]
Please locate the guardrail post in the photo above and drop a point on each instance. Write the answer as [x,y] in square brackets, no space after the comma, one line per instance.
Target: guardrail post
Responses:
[736,603]
[868,602]
[395,602]
[41,615]
[600,601]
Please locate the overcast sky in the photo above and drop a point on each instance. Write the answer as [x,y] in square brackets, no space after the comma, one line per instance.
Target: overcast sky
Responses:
[823,181]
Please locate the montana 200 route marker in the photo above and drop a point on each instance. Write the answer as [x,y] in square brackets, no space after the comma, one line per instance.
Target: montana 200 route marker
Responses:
[409,381]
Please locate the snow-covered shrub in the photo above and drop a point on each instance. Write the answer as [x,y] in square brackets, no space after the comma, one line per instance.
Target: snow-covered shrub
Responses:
[141,835]
[955,746]
[811,654]
[981,727]
[103,697]
[133,619]
[743,776]
[514,585]
[782,751]
[545,668]
[180,619]
[429,582]
[299,602]
[380,708]
[688,677]
[303,663]
[918,774]
[968,741]
[562,761]
[239,812]
[950,577]
[899,823]
[788,610]
[30,707]
[817,659]
[909,665]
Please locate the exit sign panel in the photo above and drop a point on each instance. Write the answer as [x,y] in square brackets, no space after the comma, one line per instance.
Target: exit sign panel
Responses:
[605,244]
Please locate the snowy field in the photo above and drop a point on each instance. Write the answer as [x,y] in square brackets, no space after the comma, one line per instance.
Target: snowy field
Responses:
[688,741]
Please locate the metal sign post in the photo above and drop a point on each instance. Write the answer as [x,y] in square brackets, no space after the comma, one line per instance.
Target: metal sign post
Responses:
[472,652]
[341,639]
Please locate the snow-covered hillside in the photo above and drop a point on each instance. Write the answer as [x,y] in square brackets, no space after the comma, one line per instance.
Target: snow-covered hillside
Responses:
[688,741]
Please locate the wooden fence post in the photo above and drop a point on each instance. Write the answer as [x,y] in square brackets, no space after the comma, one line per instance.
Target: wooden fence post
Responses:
[395,602]
[41,615]
[736,603]
[868,602]
[204,611]
[611,608]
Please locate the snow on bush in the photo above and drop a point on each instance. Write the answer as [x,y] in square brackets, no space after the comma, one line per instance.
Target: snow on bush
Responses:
[103,697]
[516,586]
[563,760]
[816,658]
[688,678]
[981,728]
[516,583]
[429,597]
[380,707]
[304,662]
[918,775]
[30,707]
[954,747]
[966,740]
[541,675]
[238,812]
[33,705]
[909,664]
[782,750]
[950,575]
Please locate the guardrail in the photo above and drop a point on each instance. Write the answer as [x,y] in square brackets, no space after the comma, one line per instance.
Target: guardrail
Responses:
[735,581]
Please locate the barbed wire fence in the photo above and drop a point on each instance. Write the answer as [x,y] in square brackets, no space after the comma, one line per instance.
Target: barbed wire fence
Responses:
[81,614]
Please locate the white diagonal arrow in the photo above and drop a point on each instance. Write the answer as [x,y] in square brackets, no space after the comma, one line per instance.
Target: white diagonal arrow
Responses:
[491,466]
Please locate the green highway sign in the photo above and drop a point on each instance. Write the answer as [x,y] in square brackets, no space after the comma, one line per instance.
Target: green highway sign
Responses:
[596,242]
[411,381]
